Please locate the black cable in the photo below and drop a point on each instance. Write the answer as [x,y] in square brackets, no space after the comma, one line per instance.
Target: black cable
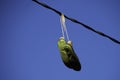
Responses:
[74,20]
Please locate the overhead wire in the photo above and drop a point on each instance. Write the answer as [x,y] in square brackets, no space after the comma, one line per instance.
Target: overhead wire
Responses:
[78,22]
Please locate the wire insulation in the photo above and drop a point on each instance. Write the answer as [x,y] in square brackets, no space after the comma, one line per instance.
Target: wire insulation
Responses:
[78,22]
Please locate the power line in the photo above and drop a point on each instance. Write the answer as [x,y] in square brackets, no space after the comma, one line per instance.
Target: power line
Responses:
[78,22]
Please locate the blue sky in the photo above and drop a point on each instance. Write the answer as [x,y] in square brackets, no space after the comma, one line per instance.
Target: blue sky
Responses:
[29,35]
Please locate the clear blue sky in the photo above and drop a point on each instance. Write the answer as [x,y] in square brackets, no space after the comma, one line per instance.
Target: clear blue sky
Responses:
[29,35]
